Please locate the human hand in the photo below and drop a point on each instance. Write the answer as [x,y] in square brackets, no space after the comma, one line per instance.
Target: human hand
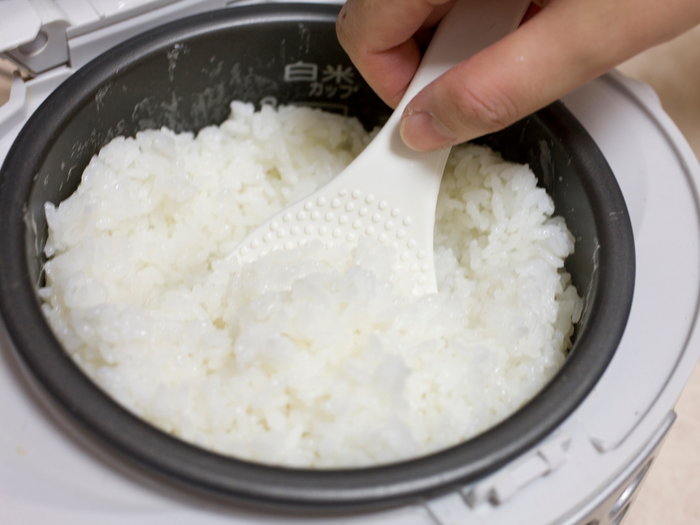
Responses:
[561,45]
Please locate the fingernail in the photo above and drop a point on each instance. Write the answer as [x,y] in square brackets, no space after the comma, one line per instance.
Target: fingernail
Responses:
[421,131]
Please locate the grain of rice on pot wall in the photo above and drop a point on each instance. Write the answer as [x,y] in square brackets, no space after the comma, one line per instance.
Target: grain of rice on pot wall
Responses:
[308,358]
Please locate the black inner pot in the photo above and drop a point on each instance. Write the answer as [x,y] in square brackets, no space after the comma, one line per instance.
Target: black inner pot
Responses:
[183,75]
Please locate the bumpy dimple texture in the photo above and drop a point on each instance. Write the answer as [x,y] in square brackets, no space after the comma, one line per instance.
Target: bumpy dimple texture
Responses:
[308,357]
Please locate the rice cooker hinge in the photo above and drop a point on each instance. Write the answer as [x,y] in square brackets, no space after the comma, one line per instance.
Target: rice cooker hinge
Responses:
[40,35]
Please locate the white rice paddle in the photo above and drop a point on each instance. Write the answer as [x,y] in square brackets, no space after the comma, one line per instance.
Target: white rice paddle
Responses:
[389,192]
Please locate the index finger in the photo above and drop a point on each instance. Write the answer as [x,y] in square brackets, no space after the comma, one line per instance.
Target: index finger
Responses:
[379,37]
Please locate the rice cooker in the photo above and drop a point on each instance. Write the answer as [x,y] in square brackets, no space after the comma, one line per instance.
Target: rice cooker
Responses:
[588,471]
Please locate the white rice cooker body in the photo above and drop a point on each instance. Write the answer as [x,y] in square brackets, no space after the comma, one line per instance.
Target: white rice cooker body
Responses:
[587,472]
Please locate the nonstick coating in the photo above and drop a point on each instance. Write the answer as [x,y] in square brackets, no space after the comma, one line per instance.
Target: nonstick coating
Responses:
[183,75]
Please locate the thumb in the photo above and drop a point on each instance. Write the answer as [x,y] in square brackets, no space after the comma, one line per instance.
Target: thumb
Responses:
[566,44]
[481,95]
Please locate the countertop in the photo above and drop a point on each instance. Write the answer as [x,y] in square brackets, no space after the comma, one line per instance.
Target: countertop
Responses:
[671,493]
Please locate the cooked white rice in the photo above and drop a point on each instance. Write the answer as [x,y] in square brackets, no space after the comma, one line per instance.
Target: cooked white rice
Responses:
[308,358]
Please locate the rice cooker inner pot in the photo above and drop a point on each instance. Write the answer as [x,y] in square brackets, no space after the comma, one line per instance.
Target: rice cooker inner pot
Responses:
[184,75]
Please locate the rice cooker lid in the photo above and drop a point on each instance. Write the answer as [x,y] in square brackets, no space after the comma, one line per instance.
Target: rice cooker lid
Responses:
[631,406]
